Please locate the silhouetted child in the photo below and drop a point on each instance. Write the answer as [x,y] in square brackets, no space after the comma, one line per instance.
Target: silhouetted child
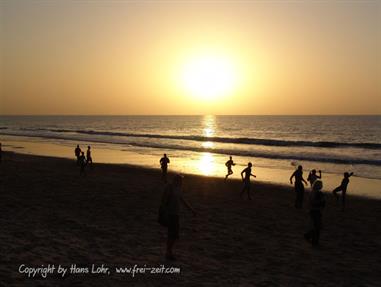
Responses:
[229,165]
[299,187]
[89,159]
[317,203]
[246,180]
[312,176]
[343,188]
[82,163]
[77,153]
[170,211]
[164,161]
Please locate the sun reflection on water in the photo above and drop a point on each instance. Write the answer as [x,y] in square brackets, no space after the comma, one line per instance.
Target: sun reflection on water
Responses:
[207,144]
[209,128]
[209,124]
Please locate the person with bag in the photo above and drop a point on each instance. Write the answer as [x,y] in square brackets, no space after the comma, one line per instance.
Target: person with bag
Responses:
[169,212]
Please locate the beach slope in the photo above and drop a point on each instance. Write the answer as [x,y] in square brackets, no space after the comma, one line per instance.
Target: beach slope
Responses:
[51,215]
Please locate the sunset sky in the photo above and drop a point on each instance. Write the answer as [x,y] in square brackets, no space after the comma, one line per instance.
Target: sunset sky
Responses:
[190,57]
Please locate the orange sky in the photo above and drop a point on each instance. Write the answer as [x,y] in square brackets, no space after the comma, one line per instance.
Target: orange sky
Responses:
[149,57]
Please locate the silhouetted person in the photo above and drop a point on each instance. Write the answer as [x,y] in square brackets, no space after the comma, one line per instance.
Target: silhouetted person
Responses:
[229,165]
[299,187]
[77,153]
[343,188]
[82,163]
[246,180]
[312,176]
[317,203]
[89,159]
[170,209]
[164,161]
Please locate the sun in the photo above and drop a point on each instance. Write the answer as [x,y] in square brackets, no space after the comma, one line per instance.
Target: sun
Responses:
[209,77]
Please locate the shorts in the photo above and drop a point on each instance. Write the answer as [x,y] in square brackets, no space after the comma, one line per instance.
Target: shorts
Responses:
[247,184]
[299,187]
[173,226]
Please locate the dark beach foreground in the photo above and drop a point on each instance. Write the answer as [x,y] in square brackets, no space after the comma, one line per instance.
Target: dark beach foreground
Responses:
[51,215]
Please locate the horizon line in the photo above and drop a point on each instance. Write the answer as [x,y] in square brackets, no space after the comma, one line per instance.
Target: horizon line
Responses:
[176,115]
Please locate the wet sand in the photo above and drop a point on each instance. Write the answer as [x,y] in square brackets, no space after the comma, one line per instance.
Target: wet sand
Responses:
[205,163]
[51,215]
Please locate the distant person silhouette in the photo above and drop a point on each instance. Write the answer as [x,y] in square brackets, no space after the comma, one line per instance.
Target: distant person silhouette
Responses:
[312,176]
[229,165]
[77,153]
[164,161]
[246,180]
[82,163]
[317,203]
[89,159]
[170,211]
[299,187]
[343,188]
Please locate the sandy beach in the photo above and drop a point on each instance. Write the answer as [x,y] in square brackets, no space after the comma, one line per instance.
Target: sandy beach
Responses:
[51,215]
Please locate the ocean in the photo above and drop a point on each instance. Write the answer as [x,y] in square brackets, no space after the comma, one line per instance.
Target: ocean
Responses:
[202,144]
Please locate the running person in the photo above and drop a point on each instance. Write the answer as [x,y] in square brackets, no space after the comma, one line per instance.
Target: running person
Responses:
[229,165]
[246,180]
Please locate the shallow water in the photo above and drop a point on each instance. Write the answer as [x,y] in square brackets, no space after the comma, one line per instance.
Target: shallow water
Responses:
[202,144]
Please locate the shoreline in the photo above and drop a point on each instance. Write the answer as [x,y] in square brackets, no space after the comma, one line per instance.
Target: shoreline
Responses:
[206,164]
[138,168]
[51,215]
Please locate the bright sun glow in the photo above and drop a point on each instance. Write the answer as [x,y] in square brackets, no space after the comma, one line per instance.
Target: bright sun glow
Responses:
[206,164]
[209,77]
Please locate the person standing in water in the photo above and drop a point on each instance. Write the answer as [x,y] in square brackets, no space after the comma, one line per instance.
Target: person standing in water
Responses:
[312,176]
[299,187]
[170,202]
[164,161]
[343,188]
[77,153]
[229,165]
[317,203]
[89,159]
[246,180]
